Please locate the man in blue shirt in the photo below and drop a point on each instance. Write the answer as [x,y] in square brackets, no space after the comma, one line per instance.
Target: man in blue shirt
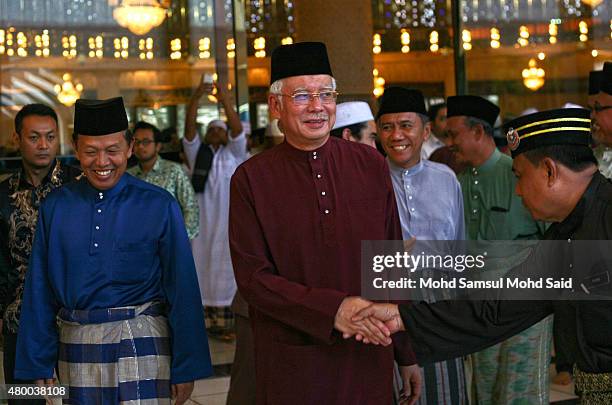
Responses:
[112,277]
[430,206]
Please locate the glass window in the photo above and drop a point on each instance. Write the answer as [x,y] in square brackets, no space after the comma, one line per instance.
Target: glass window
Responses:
[55,51]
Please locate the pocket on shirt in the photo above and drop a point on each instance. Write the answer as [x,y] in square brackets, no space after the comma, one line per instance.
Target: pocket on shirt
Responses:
[133,261]
[431,230]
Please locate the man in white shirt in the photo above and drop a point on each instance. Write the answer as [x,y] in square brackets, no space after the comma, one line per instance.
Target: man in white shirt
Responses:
[211,247]
[437,119]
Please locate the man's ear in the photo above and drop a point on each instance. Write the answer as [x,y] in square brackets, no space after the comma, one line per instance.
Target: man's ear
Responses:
[274,105]
[426,131]
[479,132]
[346,134]
[16,138]
[551,169]
[130,147]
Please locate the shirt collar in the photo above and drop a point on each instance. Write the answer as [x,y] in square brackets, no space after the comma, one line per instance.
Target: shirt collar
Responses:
[111,192]
[400,171]
[566,227]
[53,171]
[491,161]
[156,167]
[307,155]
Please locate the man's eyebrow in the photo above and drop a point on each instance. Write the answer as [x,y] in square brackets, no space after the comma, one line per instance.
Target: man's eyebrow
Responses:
[43,133]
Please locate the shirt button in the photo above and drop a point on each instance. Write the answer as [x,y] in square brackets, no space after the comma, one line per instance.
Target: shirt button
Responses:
[474,211]
[95,245]
[571,265]
[327,211]
[412,209]
[410,197]
[475,172]
[97,228]
[314,153]
[101,197]
[475,197]
[318,176]
[322,192]
[314,157]
[99,210]
[475,181]
[569,241]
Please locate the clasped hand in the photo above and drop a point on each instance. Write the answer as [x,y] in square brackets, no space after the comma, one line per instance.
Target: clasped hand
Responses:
[368,322]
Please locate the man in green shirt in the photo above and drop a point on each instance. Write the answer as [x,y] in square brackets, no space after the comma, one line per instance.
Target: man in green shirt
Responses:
[505,373]
[163,173]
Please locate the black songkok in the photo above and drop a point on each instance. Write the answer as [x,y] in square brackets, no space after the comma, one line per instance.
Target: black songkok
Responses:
[606,80]
[595,79]
[99,117]
[299,59]
[472,106]
[564,126]
[400,99]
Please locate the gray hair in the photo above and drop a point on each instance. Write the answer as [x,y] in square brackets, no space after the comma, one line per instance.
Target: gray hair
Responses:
[277,88]
[471,122]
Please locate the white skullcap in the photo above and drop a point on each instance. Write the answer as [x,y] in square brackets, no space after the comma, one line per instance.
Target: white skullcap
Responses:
[352,112]
[217,123]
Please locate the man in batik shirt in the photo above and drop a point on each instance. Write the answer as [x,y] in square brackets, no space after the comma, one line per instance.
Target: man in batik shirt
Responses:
[168,175]
[37,135]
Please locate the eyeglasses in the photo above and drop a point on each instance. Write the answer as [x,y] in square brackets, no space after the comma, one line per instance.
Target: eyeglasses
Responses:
[599,108]
[303,97]
[144,142]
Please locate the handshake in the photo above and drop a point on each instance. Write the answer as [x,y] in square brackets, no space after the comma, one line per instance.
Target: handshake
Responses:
[368,322]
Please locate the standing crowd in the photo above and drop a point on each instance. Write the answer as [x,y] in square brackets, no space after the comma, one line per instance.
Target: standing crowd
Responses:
[112,279]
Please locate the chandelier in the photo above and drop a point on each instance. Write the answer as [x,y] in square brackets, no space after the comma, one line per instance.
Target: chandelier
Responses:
[68,92]
[139,16]
[533,76]
[379,84]
[592,3]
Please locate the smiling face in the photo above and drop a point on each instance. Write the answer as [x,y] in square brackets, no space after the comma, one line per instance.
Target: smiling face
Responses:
[305,126]
[402,135]
[103,158]
[462,139]
[37,141]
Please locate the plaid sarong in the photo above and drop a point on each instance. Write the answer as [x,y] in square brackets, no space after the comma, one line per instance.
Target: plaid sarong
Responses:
[125,360]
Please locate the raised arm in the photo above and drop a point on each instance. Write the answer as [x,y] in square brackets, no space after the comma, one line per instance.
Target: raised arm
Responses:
[192,110]
[226,100]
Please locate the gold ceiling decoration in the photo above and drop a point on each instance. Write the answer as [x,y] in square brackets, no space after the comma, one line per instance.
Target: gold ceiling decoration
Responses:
[533,76]
[68,92]
[139,16]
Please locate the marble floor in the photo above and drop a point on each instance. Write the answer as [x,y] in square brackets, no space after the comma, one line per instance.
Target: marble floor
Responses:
[213,391]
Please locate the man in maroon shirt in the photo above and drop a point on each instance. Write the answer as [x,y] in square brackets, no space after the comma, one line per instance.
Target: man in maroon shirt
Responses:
[296,225]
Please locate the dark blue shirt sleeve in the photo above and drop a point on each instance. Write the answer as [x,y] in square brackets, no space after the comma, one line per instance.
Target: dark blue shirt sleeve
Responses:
[37,340]
[190,353]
